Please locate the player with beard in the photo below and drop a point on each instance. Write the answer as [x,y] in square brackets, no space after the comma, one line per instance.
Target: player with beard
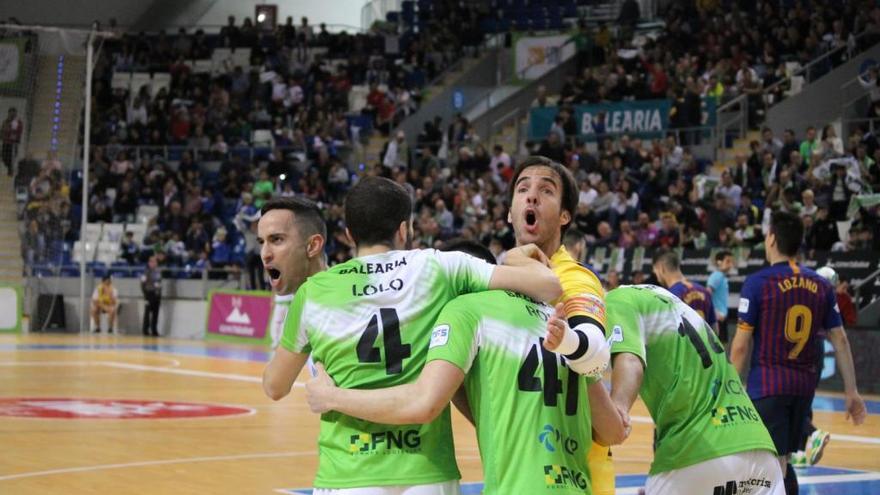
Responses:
[543,200]
[369,322]
[291,234]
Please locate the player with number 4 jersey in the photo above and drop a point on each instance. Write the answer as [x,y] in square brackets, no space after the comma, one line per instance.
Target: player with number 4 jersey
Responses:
[708,433]
[529,405]
[369,321]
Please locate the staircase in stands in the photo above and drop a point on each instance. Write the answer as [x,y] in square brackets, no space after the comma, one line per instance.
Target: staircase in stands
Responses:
[373,149]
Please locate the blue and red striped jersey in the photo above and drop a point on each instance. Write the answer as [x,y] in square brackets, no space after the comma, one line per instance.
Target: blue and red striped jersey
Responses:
[697,297]
[788,308]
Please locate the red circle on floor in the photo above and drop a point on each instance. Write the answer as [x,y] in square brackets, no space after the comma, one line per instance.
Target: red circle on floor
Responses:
[77,408]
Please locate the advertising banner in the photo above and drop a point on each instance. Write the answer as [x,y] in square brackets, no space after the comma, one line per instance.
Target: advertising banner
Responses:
[534,56]
[11,60]
[239,316]
[11,305]
[641,118]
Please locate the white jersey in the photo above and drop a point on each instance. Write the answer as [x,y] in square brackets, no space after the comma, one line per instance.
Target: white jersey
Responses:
[280,306]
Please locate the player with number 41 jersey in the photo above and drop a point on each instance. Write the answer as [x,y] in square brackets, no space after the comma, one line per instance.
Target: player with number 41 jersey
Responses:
[368,321]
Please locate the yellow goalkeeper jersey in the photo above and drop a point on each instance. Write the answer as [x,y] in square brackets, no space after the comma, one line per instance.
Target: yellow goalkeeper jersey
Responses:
[583,295]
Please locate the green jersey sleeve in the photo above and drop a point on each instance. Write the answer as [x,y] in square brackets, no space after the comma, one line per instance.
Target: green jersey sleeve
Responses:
[295,338]
[625,330]
[455,337]
[466,273]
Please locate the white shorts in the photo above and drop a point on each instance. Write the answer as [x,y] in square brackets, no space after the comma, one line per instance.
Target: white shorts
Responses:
[443,488]
[756,472]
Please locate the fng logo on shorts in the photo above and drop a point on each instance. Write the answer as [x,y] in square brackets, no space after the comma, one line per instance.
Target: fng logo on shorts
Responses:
[728,415]
[385,442]
[560,476]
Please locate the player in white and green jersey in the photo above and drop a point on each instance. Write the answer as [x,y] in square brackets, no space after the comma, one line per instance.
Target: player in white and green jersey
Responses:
[531,411]
[369,322]
[291,234]
[709,434]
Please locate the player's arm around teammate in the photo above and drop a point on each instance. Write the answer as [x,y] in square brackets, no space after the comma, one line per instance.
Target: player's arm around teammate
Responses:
[525,271]
[611,424]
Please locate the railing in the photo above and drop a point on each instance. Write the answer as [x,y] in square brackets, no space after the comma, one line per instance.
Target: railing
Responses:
[815,69]
[731,115]
[172,153]
[236,278]
[497,128]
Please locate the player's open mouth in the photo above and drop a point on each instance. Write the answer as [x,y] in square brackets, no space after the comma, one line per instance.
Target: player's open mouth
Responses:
[274,273]
[531,220]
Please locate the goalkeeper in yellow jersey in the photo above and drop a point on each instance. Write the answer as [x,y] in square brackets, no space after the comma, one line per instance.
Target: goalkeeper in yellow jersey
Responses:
[543,198]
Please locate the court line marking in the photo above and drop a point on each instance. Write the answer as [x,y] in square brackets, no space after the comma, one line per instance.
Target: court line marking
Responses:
[171,363]
[634,490]
[186,372]
[855,438]
[101,467]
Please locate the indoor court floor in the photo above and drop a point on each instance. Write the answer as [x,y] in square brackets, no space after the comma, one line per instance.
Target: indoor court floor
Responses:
[105,414]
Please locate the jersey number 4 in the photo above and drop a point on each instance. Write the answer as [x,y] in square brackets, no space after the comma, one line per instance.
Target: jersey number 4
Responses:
[395,351]
[552,386]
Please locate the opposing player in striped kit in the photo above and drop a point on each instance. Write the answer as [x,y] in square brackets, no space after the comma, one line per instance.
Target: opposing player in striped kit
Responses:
[784,310]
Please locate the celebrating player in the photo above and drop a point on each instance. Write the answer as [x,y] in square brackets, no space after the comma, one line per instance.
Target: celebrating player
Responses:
[543,199]
[291,234]
[784,308]
[369,322]
[708,432]
[529,406]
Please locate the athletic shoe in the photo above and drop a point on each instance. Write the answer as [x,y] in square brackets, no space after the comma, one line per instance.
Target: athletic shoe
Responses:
[798,459]
[816,446]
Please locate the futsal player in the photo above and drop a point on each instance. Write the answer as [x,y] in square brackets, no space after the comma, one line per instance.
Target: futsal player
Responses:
[783,309]
[369,321]
[291,234]
[709,439]
[543,200]
[529,404]
[667,269]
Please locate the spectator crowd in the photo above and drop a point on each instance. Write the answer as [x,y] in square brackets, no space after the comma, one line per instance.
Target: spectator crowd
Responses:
[633,192]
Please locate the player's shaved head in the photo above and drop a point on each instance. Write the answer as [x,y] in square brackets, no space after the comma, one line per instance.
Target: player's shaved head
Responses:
[374,210]
[307,217]
[668,260]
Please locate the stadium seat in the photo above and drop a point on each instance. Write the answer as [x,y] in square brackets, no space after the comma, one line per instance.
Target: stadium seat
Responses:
[97,269]
[146,212]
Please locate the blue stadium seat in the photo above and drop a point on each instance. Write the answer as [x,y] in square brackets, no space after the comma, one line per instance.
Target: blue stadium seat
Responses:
[70,271]
[97,268]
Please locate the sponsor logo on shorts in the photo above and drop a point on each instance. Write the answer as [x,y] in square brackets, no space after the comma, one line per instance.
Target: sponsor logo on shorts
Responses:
[734,415]
[744,487]
[556,476]
[552,439]
[385,442]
